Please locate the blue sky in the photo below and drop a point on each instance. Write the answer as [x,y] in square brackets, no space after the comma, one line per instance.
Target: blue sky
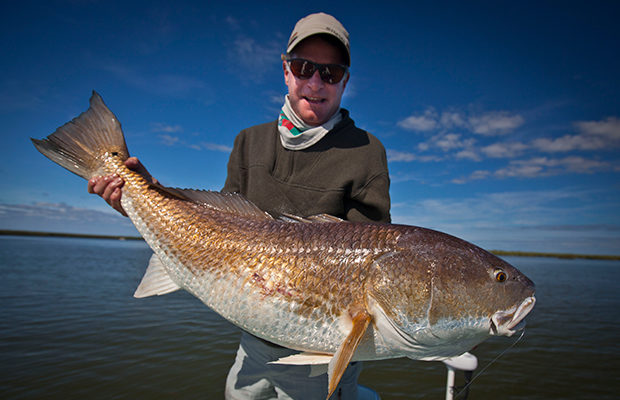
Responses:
[501,120]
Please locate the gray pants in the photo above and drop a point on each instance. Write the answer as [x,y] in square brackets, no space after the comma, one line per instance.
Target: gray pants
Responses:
[252,378]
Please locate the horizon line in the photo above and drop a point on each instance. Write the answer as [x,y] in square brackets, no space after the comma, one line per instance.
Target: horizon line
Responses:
[514,253]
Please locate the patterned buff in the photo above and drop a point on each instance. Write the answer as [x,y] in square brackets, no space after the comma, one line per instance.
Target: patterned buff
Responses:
[295,134]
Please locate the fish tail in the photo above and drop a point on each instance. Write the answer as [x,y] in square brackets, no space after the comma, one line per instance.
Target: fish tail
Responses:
[83,144]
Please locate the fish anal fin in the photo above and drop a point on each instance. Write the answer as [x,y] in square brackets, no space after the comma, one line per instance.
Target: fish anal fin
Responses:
[360,319]
[155,281]
[305,358]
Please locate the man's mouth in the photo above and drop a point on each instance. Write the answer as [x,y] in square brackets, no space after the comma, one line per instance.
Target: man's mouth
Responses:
[314,100]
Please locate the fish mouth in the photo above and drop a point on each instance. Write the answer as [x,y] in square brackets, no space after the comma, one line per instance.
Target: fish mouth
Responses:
[506,323]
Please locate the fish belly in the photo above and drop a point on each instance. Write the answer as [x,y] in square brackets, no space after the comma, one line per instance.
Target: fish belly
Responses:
[234,297]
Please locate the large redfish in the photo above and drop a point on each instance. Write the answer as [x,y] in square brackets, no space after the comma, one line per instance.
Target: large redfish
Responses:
[336,290]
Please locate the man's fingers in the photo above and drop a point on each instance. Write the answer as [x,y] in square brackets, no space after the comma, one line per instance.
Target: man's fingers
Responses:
[133,163]
[97,185]
[91,184]
[115,200]
[109,189]
[112,183]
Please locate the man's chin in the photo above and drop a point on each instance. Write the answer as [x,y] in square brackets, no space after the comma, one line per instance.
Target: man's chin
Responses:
[314,117]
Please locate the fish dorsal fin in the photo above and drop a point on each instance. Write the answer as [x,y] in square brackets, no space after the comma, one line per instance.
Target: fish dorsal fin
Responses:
[320,218]
[233,203]
[155,281]
[360,320]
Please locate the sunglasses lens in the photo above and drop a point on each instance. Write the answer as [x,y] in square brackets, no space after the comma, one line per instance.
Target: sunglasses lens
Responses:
[329,73]
[302,68]
[332,73]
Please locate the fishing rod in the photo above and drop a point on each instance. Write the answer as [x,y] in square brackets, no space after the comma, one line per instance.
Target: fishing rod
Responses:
[467,362]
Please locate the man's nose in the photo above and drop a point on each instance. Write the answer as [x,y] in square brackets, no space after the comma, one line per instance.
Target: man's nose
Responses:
[315,80]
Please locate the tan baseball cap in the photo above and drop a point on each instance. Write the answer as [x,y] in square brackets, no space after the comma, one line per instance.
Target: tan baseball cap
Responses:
[315,24]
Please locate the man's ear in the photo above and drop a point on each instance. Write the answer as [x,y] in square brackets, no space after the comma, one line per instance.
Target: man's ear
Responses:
[345,80]
[286,72]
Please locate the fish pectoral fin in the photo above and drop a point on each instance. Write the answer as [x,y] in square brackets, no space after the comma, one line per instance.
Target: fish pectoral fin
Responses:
[360,320]
[155,281]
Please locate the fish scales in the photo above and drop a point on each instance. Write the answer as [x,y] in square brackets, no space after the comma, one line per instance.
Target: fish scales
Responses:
[296,261]
[314,265]
[353,291]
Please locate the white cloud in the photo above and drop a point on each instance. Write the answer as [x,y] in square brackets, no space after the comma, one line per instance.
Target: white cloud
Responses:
[404,156]
[495,123]
[545,220]
[452,119]
[277,99]
[169,140]
[561,144]
[492,123]
[60,217]
[247,55]
[232,22]
[504,150]
[543,166]
[468,154]
[161,127]
[216,147]
[609,128]
[476,175]
[421,123]
[593,135]
[536,167]
[453,131]
[396,156]
[447,142]
[523,169]
[456,135]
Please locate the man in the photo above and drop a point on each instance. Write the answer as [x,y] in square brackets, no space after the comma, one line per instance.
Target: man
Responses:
[312,160]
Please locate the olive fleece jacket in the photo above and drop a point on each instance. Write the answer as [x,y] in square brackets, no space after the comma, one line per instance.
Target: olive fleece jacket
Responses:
[345,174]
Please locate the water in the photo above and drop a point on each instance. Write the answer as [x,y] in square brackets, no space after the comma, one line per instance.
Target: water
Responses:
[70,329]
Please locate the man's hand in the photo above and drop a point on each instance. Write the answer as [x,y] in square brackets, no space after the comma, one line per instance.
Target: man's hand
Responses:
[109,186]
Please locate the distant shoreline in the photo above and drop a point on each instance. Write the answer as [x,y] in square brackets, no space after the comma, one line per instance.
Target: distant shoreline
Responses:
[8,232]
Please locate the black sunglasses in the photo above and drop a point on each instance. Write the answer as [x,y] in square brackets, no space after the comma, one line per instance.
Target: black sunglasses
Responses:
[329,73]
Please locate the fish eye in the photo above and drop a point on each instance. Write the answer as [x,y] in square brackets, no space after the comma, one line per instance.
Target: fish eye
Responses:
[500,275]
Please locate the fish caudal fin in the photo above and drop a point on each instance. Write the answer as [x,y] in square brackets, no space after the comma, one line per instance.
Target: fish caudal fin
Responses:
[81,144]
[339,363]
